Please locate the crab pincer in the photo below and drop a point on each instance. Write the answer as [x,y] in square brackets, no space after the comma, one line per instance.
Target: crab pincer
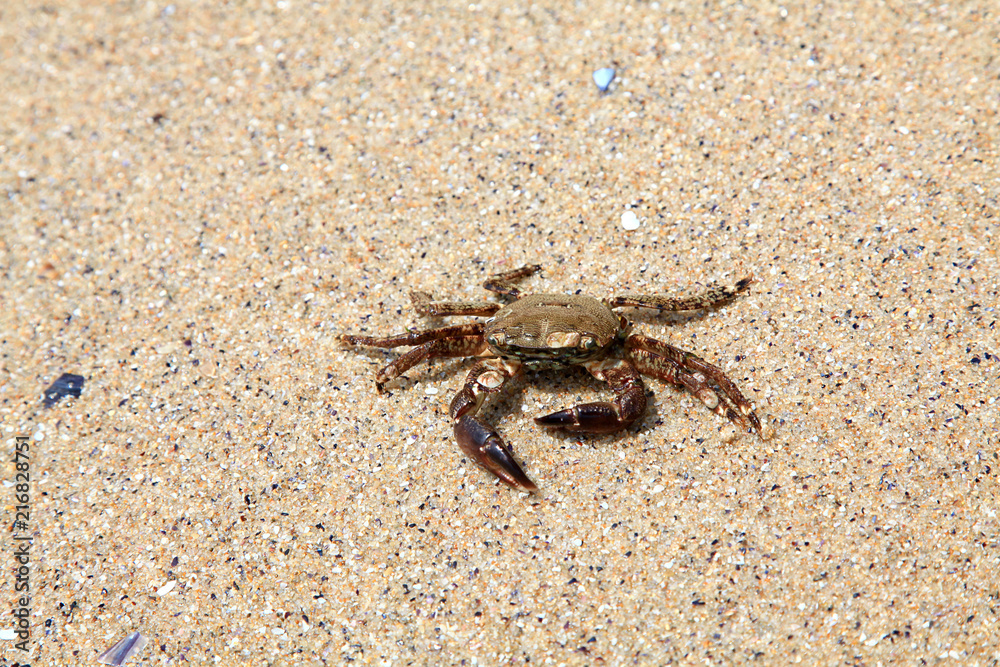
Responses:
[477,438]
[630,401]
[481,442]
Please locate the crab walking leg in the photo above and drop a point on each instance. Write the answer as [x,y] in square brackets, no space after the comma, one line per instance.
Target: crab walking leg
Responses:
[689,371]
[459,346]
[502,282]
[428,307]
[668,370]
[415,337]
[630,401]
[479,440]
[712,297]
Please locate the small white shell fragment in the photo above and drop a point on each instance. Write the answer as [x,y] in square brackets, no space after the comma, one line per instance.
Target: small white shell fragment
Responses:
[166,588]
[630,220]
[431,391]
[123,650]
[8,634]
[603,78]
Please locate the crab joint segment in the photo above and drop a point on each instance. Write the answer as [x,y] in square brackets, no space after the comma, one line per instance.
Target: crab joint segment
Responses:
[478,439]
[630,401]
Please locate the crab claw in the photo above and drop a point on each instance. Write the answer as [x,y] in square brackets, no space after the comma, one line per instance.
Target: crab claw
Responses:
[484,445]
[585,418]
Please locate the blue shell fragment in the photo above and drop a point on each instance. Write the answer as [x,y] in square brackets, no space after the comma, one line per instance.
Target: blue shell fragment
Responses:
[66,384]
[603,78]
[123,650]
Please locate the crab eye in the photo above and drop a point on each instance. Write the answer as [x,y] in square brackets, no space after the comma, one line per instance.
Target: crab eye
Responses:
[495,339]
[588,342]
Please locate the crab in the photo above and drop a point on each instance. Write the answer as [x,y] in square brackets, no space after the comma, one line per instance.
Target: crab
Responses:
[538,331]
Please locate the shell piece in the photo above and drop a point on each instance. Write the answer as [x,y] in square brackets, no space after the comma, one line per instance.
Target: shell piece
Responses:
[630,221]
[66,384]
[603,78]
[123,650]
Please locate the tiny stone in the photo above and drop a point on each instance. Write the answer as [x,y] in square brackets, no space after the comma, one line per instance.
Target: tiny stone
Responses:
[630,220]
[603,78]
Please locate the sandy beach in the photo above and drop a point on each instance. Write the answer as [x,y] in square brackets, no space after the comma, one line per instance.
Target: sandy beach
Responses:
[199,199]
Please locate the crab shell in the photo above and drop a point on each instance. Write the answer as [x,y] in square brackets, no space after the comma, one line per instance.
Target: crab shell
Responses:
[554,330]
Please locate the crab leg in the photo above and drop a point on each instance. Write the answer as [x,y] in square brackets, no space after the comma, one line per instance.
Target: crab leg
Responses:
[630,401]
[461,341]
[415,337]
[712,297]
[689,371]
[427,306]
[478,439]
[502,282]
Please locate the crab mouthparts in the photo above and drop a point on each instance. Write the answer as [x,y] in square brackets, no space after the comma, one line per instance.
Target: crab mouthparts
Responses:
[562,339]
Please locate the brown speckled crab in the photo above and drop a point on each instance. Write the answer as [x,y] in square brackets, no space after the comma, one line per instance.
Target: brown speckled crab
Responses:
[557,331]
